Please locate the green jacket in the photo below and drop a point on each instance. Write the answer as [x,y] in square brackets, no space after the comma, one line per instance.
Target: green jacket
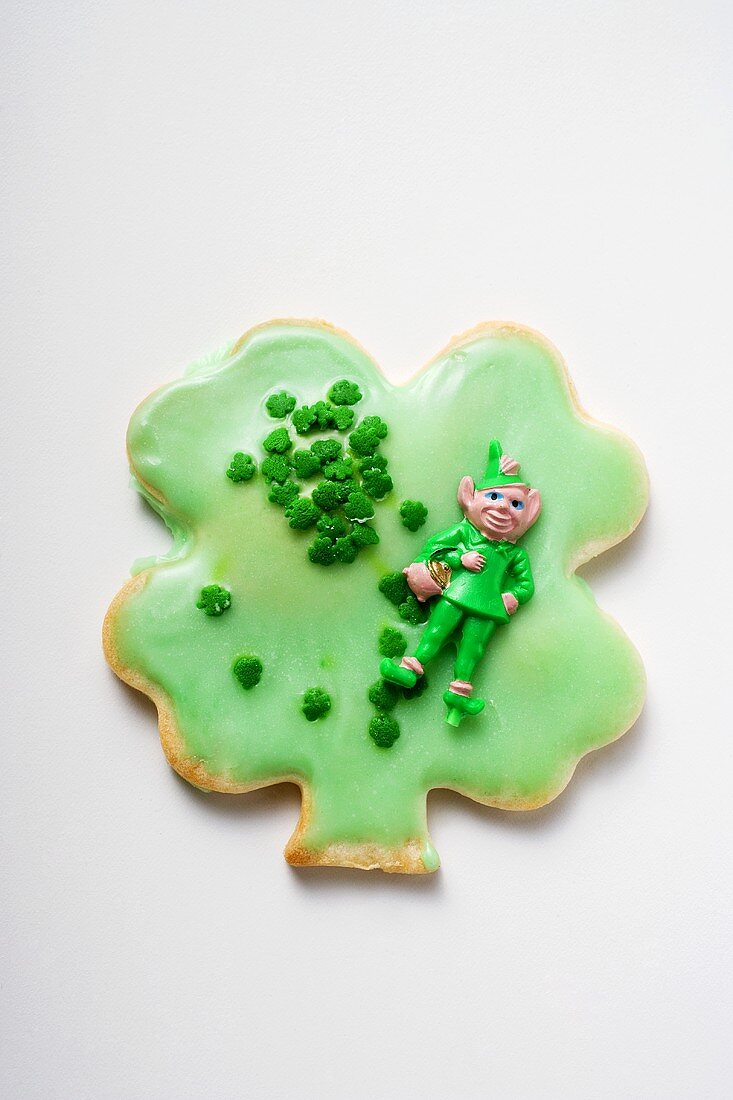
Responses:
[506,570]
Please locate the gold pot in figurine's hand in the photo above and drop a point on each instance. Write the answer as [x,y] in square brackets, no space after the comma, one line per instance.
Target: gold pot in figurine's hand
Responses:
[427,579]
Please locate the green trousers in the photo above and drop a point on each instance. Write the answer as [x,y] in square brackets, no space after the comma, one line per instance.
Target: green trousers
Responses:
[445,618]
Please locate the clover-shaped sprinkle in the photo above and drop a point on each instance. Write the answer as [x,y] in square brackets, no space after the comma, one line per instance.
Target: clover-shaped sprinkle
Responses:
[412,611]
[413,513]
[248,670]
[384,730]
[276,468]
[316,704]
[346,549]
[392,642]
[214,600]
[395,587]
[335,527]
[364,535]
[302,514]
[278,441]
[327,450]
[327,495]
[242,467]
[303,419]
[322,551]
[358,506]
[377,484]
[305,463]
[383,695]
[340,470]
[365,439]
[279,405]
[283,494]
[343,418]
[344,393]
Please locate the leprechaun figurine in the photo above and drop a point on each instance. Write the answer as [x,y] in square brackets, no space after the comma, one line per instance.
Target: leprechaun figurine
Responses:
[479,574]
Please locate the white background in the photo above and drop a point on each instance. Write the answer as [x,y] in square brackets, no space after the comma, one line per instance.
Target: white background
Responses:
[174,173]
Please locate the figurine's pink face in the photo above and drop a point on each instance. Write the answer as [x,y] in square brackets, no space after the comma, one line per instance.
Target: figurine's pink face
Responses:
[500,512]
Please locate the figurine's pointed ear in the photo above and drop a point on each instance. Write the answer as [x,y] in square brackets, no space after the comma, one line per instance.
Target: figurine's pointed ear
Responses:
[465,493]
[534,506]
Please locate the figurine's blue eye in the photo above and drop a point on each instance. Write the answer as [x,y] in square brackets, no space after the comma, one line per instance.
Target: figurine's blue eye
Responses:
[518,504]
[494,496]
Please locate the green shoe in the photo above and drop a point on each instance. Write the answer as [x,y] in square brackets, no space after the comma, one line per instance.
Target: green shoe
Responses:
[396,674]
[459,706]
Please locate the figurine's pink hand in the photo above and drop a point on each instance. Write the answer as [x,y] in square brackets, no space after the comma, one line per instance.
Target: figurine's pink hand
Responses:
[473,561]
[511,603]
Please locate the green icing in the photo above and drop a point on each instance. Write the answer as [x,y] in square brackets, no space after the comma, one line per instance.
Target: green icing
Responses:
[561,681]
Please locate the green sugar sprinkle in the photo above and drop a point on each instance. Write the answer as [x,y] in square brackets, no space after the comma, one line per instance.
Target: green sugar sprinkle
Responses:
[343,418]
[327,450]
[279,405]
[306,464]
[278,441]
[383,695]
[340,470]
[358,506]
[384,730]
[365,439]
[344,393]
[303,419]
[334,527]
[413,514]
[392,642]
[283,494]
[377,484]
[302,514]
[364,535]
[322,551]
[412,611]
[276,468]
[346,549]
[395,587]
[214,600]
[248,670]
[327,495]
[344,498]
[316,704]
[242,467]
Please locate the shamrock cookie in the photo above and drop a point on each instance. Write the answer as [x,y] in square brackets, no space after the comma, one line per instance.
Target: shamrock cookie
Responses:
[286,635]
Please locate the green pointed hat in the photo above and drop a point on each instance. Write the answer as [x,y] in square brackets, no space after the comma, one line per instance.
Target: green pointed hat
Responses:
[494,476]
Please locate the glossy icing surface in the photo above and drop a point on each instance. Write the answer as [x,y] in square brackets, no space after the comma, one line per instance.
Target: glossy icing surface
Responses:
[561,680]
